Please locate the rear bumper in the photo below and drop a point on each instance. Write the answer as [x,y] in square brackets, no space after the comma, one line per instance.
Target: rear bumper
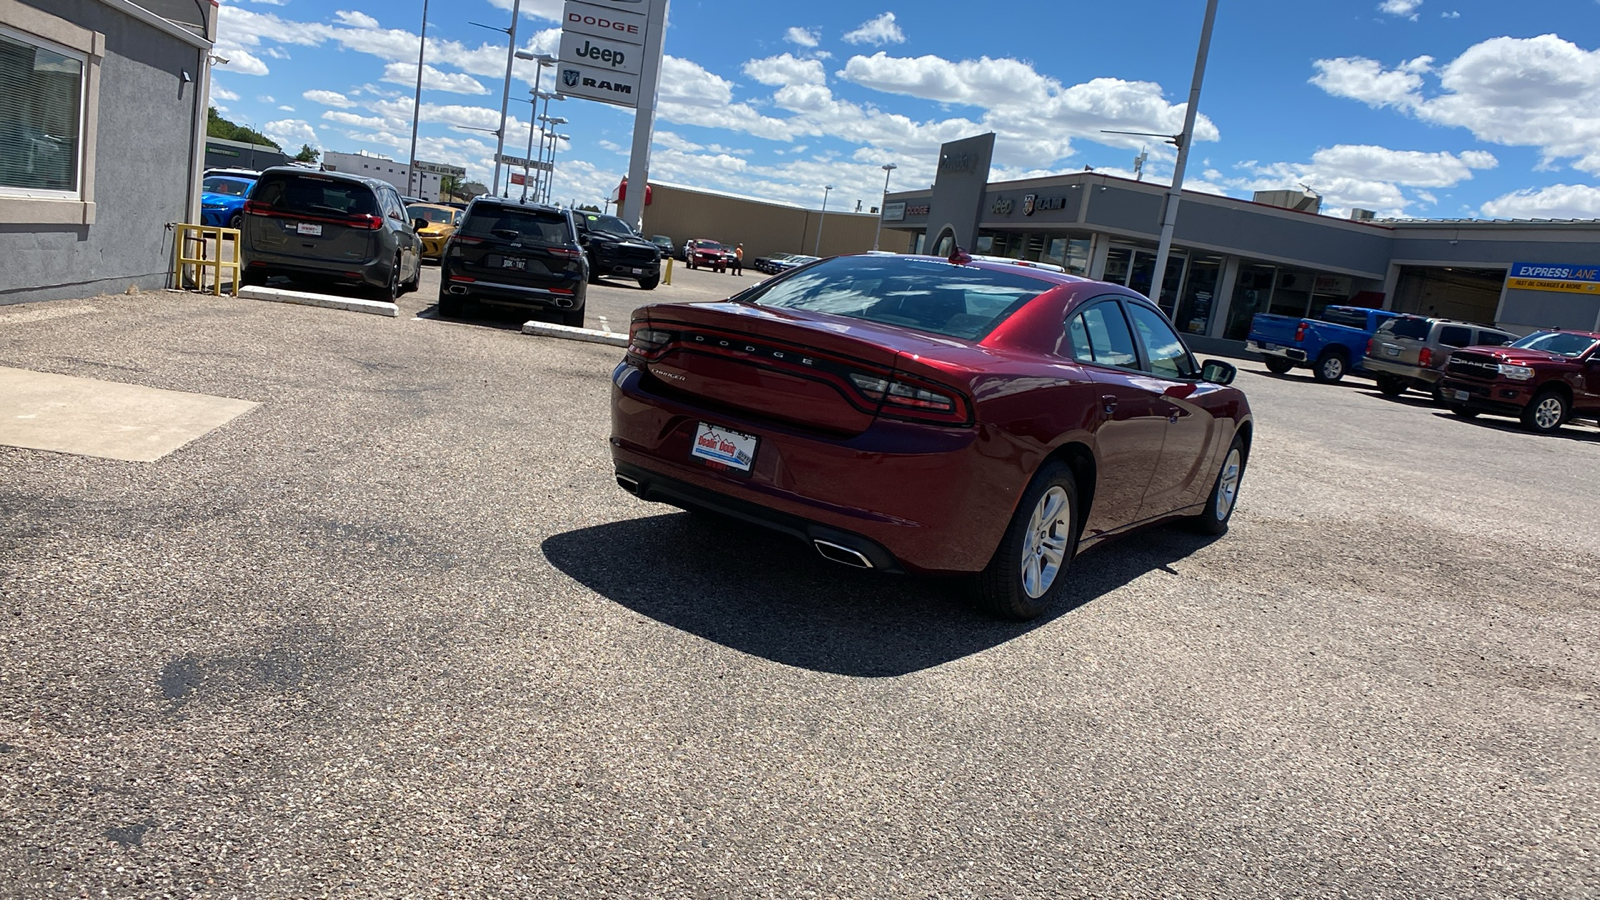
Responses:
[623,268]
[371,272]
[504,294]
[1293,354]
[932,500]
[1415,374]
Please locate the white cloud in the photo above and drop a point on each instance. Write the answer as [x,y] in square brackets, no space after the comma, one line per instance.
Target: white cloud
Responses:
[1407,167]
[433,79]
[218,92]
[785,69]
[329,98]
[286,107]
[671,141]
[266,98]
[877,32]
[1558,201]
[1403,8]
[291,132]
[356,19]
[1539,92]
[242,62]
[1450,15]
[1361,175]
[802,37]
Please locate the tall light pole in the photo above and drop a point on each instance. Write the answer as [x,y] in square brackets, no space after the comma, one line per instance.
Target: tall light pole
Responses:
[545,61]
[555,142]
[416,103]
[550,122]
[887,168]
[534,101]
[547,96]
[505,94]
[1170,222]
[822,219]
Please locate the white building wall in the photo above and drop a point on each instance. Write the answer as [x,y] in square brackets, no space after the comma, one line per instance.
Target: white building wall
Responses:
[383,169]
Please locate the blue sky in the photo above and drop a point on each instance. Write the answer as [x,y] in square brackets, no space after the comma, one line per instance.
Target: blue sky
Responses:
[1424,108]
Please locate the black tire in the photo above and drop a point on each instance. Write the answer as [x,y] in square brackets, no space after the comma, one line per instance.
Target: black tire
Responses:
[249,277]
[1223,501]
[1277,365]
[1465,412]
[1547,413]
[1438,395]
[1330,368]
[1000,588]
[650,283]
[390,293]
[1390,386]
[236,221]
[451,306]
[570,317]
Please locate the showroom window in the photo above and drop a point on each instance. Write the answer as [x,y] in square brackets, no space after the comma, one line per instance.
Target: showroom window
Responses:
[41,117]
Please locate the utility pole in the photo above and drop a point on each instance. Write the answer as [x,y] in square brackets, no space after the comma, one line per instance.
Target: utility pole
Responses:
[822,219]
[505,95]
[1170,222]
[887,168]
[416,105]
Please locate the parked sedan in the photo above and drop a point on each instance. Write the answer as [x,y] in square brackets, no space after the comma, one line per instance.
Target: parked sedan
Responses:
[930,416]
[442,222]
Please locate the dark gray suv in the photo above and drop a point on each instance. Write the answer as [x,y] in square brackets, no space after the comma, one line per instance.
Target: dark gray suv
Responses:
[327,228]
[522,256]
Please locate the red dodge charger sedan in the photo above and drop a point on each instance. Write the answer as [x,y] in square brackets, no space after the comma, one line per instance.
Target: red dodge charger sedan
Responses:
[931,416]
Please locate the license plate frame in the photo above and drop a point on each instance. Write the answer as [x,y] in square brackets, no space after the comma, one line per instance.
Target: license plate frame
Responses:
[724,447]
[309,229]
[1462,396]
[514,262]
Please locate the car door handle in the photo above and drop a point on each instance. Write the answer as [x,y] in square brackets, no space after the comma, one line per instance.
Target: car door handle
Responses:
[1109,402]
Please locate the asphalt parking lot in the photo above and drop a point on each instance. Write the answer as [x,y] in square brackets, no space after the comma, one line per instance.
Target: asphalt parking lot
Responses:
[394,632]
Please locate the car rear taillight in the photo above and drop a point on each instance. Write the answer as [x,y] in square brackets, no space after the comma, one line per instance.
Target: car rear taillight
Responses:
[369,222]
[909,400]
[1369,345]
[257,208]
[1425,357]
[1300,333]
[563,251]
[646,342]
[466,239]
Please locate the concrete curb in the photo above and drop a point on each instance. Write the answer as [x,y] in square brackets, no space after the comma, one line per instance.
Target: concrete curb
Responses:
[567,332]
[323,301]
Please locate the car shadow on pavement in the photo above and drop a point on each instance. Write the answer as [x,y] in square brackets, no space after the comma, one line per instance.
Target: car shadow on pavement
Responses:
[1570,431]
[771,596]
[486,316]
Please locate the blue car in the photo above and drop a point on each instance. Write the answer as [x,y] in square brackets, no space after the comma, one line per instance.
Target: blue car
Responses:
[222,199]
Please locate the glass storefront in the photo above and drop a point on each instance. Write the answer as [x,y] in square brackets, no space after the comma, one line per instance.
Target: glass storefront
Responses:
[1071,252]
[1199,295]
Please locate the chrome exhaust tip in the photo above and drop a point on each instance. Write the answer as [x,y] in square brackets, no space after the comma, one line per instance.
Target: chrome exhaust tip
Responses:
[628,484]
[841,554]
[457,289]
[564,302]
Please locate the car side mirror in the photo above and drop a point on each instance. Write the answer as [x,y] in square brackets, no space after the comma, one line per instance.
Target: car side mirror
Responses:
[418,224]
[1218,372]
[583,240]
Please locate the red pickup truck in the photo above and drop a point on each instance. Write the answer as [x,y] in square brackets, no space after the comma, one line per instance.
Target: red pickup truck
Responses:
[1546,379]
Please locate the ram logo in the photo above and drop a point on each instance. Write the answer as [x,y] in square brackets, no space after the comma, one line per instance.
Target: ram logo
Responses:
[570,77]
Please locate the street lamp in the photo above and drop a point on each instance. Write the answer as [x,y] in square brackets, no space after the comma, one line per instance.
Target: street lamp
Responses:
[534,101]
[505,94]
[1169,223]
[887,168]
[545,61]
[416,103]
[546,96]
[555,141]
[822,220]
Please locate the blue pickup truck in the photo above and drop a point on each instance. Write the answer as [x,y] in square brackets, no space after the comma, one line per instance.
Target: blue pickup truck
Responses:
[1330,346]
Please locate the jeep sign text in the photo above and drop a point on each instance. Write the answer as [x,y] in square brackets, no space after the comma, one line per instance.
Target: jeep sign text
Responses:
[603,53]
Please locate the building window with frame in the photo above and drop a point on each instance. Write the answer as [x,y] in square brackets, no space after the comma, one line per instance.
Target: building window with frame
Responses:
[42,87]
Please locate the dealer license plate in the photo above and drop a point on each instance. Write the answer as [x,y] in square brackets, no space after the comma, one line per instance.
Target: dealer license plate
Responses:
[1391,351]
[1463,396]
[638,271]
[513,262]
[310,228]
[729,448]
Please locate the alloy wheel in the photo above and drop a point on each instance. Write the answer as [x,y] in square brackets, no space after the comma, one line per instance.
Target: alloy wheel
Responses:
[1045,549]
[1548,413]
[1228,486]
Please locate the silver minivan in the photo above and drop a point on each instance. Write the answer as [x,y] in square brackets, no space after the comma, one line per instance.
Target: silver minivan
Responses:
[326,228]
[1410,351]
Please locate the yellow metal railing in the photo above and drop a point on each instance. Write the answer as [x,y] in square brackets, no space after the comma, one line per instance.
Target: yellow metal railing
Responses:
[205,239]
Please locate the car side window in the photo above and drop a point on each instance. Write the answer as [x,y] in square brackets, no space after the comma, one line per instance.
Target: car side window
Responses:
[1169,358]
[1494,339]
[1455,336]
[1100,335]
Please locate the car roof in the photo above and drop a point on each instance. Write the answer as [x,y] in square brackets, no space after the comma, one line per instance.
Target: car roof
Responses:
[487,200]
[232,177]
[299,172]
[438,206]
[1004,265]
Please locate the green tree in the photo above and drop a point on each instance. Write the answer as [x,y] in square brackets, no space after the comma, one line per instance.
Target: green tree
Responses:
[589,207]
[218,127]
[308,154]
[449,186]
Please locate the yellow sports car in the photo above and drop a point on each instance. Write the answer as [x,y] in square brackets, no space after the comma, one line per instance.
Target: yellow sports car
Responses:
[442,222]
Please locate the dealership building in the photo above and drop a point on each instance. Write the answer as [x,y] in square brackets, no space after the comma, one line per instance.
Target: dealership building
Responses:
[1234,258]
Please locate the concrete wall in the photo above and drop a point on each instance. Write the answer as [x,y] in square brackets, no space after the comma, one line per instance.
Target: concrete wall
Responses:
[144,152]
[763,228]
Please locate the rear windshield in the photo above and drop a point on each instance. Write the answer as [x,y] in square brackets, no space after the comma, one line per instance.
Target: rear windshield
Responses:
[433,214]
[315,196]
[1557,342]
[1408,327]
[928,295]
[540,224]
[1355,318]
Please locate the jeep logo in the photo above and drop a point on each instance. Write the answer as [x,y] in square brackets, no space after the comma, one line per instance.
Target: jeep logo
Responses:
[612,58]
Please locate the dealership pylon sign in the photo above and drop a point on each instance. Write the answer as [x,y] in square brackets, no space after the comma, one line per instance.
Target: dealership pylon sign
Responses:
[611,51]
